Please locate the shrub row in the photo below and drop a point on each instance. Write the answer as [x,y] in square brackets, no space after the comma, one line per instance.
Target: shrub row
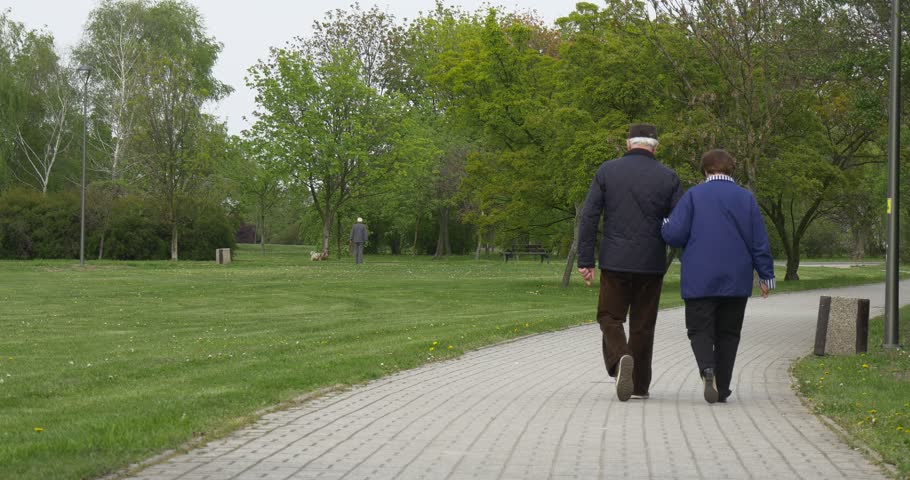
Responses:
[131,226]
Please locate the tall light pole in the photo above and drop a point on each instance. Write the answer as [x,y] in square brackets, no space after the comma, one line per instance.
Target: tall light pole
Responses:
[892,267]
[87,71]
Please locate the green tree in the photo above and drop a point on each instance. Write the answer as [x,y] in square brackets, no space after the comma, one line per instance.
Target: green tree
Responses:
[516,89]
[177,144]
[11,33]
[424,56]
[260,180]
[114,46]
[787,87]
[37,106]
[332,128]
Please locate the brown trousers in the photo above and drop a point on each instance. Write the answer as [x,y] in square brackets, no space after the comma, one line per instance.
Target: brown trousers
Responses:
[638,295]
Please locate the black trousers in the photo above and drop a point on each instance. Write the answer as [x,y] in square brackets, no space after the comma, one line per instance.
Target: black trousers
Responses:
[638,295]
[714,325]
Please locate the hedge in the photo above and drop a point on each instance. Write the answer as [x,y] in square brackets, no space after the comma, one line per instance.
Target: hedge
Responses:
[33,226]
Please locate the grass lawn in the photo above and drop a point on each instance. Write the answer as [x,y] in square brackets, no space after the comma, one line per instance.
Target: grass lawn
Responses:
[112,364]
[868,394]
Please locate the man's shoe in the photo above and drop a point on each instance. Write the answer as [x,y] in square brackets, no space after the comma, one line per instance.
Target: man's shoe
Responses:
[624,380]
[641,396]
[711,394]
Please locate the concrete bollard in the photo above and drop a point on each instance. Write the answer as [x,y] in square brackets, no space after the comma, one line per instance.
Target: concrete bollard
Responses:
[223,255]
[843,326]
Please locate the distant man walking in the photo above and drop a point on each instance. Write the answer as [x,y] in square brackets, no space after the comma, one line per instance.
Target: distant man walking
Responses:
[359,236]
[633,194]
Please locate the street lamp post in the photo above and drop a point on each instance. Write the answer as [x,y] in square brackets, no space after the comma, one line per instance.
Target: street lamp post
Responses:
[892,312]
[87,70]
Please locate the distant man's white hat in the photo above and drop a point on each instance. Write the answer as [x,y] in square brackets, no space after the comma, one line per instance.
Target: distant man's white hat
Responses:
[359,220]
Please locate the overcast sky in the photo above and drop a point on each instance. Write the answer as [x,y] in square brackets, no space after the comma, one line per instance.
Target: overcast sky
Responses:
[247,29]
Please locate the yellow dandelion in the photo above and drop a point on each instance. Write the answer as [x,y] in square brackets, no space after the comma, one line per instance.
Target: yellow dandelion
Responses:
[38,429]
[873,411]
[435,343]
[431,349]
[900,429]
[451,347]
[865,365]
[527,325]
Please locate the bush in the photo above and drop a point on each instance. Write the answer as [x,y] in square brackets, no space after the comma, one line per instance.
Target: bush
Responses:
[826,239]
[33,225]
[204,228]
[135,231]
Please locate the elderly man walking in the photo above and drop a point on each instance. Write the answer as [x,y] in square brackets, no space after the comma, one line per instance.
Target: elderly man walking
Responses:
[359,236]
[633,194]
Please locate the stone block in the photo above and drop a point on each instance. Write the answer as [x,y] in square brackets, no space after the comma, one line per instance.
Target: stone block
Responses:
[223,255]
[843,326]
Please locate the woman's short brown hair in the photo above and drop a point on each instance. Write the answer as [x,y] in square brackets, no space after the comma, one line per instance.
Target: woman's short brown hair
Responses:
[718,161]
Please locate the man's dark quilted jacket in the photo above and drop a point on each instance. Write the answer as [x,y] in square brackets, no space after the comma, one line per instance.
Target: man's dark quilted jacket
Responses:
[634,194]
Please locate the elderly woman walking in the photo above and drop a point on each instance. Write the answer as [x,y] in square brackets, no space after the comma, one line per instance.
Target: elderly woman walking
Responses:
[720,228]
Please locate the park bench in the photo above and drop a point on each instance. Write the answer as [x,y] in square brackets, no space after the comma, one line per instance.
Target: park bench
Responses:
[529,249]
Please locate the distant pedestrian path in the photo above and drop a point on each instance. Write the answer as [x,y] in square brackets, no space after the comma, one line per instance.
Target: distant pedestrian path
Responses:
[543,407]
[834,264]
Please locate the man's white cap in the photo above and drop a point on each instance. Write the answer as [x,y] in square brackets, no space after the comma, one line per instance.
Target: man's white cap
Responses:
[359,220]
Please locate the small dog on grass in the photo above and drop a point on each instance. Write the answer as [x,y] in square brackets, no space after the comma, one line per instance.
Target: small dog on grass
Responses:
[316,256]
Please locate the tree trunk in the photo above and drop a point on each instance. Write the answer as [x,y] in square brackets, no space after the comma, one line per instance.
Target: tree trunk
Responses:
[395,244]
[338,235]
[443,246]
[262,234]
[174,241]
[573,251]
[101,246]
[793,261]
[479,244]
[416,232]
[447,239]
[859,244]
[326,232]
[790,244]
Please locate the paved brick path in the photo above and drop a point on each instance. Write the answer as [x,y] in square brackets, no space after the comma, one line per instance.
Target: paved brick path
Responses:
[543,407]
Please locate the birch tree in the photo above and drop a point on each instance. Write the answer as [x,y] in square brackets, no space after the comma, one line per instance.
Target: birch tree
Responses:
[41,126]
[178,142]
[113,46]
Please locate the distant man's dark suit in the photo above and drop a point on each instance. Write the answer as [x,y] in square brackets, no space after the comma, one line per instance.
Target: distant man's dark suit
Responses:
[359,236]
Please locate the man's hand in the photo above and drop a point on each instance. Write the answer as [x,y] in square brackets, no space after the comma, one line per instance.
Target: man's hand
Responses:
[587,274]
[764,289]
